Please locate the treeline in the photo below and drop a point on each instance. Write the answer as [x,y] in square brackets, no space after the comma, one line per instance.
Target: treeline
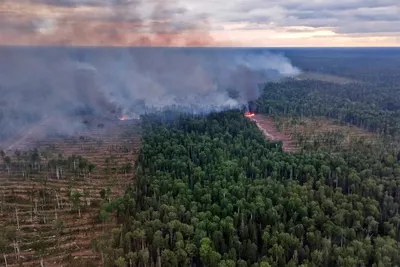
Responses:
[34,161]
[364,105]
[373,65]
[211,191]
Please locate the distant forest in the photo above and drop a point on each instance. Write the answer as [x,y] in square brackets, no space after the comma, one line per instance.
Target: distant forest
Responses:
[370,101]
[374,65]
[370,106]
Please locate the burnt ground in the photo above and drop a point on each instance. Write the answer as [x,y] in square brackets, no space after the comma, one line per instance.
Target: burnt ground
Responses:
[268,127]
[296,133]
[324,133]
[32,200]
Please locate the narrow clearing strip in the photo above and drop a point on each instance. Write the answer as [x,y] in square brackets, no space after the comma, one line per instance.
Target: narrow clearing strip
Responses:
[267,127]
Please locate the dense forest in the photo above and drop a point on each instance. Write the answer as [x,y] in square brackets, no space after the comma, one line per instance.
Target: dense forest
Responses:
[369,99]
[370,65]
[211,191]
[368,106]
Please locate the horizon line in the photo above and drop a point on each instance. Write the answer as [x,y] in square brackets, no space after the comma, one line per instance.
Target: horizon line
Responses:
[188,47]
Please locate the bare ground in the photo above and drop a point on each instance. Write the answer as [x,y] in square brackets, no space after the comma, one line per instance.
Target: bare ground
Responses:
[296,133]
[38,199]
[267,126]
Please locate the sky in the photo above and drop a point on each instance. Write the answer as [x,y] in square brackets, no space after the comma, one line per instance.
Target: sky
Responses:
[247,23]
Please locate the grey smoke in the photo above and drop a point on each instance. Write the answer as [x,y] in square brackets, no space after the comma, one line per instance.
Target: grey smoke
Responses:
[62,82]
[164,77]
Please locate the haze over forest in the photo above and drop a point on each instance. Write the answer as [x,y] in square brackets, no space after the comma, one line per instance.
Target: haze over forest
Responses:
[150,133]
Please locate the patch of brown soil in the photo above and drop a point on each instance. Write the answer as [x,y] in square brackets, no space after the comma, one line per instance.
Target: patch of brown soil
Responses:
[268,127]
[316,132]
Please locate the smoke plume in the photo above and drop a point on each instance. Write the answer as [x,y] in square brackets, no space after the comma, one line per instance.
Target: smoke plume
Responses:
[196,78]
[65,81]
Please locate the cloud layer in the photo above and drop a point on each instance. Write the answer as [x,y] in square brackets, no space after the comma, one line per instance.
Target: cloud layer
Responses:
[110,22]
[200,23]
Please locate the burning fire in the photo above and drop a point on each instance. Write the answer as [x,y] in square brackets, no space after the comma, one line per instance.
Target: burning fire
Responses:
[249,114]
[129,117]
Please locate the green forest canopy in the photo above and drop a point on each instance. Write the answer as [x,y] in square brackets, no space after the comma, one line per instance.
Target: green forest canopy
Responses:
[366,105]
[211,191]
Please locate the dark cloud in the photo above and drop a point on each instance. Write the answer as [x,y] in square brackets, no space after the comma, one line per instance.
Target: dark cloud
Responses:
[16,24]
[74,3]
[120,22]
[310,14]
[169,22]
[344,16]
[331,5]
[372,27]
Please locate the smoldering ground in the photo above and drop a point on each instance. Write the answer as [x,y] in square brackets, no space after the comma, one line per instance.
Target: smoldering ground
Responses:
[65,81]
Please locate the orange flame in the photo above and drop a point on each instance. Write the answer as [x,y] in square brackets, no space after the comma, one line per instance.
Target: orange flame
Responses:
[122,118]
[249,114]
